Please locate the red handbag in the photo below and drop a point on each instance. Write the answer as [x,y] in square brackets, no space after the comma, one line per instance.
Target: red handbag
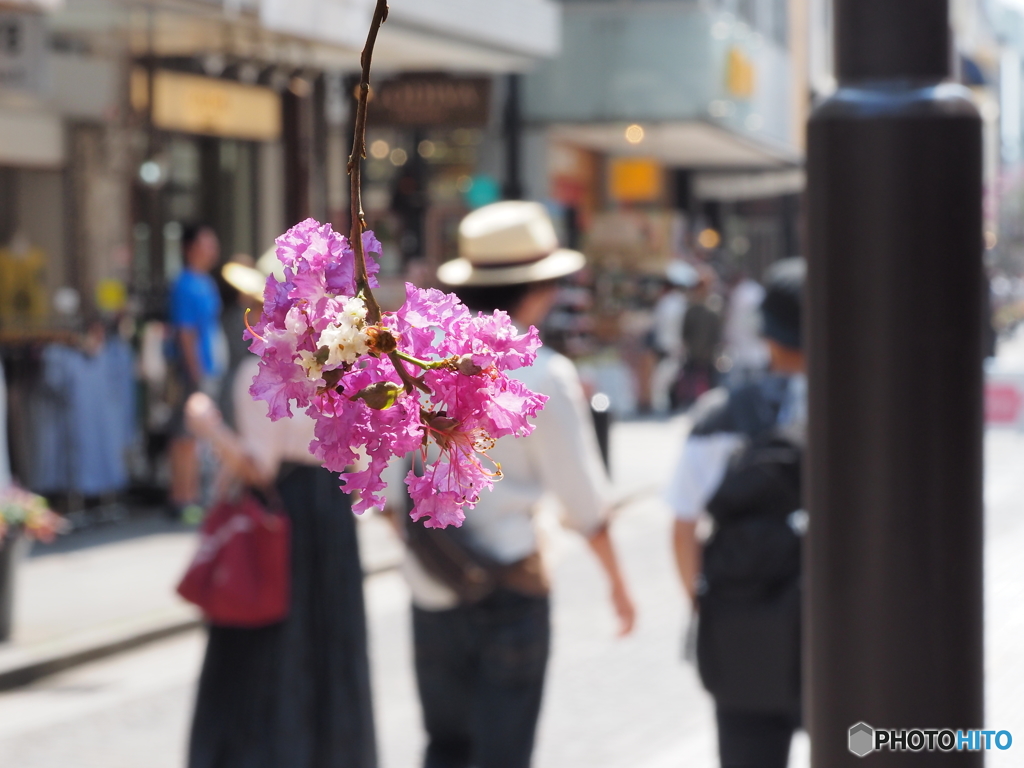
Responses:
[241,575]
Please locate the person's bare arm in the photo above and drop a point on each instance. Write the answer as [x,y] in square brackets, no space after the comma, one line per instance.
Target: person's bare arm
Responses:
[601,544]
[188,342]
[204,421]
[687,552]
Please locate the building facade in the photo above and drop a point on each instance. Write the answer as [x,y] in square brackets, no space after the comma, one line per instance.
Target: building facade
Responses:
[123,122]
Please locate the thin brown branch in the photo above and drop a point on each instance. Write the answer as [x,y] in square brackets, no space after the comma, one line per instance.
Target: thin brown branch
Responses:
[355,165]
[408,379]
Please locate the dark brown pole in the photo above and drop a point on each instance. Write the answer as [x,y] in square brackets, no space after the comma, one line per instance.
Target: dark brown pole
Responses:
[894,569]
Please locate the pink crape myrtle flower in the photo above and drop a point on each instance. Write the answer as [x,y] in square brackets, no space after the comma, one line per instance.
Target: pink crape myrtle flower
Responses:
[318,352]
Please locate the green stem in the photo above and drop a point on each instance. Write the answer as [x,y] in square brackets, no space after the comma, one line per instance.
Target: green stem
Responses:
[411,382]
[426,365]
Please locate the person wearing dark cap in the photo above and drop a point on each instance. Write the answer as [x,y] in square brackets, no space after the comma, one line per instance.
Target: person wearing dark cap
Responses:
[740,466]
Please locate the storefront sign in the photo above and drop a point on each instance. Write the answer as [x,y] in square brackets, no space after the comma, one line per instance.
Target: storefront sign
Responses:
[32,139]
[22,51]
[206,105]
[435,100]
[740,74]
[634,180]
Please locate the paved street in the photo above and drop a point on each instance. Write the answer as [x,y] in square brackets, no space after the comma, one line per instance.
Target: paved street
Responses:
[611,703]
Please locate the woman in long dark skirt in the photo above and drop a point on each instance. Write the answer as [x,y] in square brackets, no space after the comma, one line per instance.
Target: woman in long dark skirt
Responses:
[295,694]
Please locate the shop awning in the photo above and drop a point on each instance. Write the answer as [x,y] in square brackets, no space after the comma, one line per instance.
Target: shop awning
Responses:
[496,35]
[707,89]
[427,35]
[686,144]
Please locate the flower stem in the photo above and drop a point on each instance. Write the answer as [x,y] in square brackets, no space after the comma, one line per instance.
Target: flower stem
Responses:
[380,15]
[426,365]
[411,382]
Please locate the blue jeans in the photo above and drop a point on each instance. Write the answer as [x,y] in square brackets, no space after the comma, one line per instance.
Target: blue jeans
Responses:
[480,671]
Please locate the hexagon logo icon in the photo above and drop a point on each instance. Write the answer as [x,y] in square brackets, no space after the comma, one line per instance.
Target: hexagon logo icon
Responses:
[862,739]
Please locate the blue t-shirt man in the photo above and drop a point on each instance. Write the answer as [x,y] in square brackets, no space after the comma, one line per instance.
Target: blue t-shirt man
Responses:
[196,305]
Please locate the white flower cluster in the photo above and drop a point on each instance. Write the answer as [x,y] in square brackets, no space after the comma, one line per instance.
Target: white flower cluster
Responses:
[346,337]
[343,341]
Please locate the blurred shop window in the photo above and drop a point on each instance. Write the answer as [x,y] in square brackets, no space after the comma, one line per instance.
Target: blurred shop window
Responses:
[426,141]
[184,162]
[779,29]
[22,282]
[420,181]
[173,260]
[31,245]
[747,10]
[8,202]
[767,17]
[185,175]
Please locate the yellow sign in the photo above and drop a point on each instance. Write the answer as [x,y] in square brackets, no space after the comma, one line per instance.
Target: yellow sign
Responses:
[740,74]
[206,105]
[111,295]
[634,180]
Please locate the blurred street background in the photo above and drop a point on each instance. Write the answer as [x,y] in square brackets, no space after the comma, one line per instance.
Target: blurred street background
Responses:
[666,138]
[610,703]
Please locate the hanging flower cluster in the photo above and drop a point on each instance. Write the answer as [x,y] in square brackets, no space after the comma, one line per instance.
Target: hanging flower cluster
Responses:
[430,373]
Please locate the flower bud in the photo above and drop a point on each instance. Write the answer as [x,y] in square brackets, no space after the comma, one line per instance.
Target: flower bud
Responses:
[379,396]
[465,365]
[381,341]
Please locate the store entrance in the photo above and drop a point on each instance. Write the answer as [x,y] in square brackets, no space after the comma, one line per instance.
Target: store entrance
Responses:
[193,179]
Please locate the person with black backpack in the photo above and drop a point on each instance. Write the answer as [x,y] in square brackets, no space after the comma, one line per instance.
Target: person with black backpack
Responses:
[741,465]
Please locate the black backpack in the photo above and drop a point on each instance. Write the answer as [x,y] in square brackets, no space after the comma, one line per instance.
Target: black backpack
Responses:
[755,547]
[748,643]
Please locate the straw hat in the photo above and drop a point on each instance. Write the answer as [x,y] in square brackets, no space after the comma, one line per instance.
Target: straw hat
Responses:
[509,243]
[252,280]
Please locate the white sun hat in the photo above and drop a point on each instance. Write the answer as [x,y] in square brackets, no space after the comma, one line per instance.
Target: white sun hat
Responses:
[252,280]
[509,243]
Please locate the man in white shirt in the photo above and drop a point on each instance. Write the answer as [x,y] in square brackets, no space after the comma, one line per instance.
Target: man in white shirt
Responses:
[482,641]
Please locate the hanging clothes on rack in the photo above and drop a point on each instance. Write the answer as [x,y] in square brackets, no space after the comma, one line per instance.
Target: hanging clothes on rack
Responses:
[84,415]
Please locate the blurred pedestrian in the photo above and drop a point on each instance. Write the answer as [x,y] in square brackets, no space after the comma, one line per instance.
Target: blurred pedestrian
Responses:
[294,694]
[481,616]
[198,357]
[741,464]
[236,303]
[744,349]
[666,336]
[702,340]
